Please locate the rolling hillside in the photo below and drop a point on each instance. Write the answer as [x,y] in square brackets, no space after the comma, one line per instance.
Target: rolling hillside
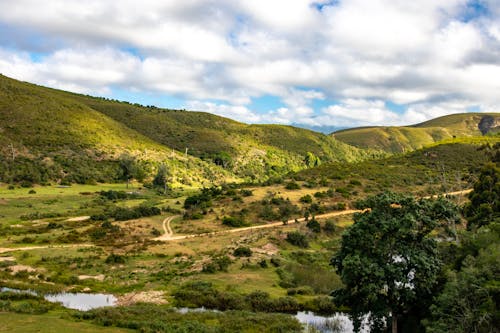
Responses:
[248,150]
[47,136]
[397,139]
[57,134]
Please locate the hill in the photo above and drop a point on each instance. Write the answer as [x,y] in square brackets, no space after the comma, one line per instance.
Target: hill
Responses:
[46,135]
[54,134]
[395,139]
[251,151]
[451,165]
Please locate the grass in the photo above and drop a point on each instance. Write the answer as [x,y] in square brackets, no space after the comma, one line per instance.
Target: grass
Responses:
[49,323]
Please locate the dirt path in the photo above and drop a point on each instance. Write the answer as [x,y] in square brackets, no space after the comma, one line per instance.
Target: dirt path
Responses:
[6,249]
[168,233]
[169,236]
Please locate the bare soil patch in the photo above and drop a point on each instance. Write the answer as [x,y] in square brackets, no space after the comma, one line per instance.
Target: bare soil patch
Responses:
[152,296]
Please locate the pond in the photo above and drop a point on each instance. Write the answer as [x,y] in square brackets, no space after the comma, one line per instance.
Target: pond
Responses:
[77,301]
[82,301]
[336,323]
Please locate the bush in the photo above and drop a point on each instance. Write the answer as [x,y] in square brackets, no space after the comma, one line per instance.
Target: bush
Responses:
[292,186]
[234,221]
[218,264]
[329,227]
[243,252]
[246,193]
[314,226]
[115,259]
[306,199]
[298,239]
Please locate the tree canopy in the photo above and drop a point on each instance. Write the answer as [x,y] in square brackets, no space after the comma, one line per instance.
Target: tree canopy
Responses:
[388,259]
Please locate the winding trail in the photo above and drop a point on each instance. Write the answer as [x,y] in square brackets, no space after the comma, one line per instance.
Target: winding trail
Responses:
[26,248]
[169,235]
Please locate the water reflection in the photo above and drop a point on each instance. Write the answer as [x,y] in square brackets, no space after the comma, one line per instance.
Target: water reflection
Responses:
[77,301]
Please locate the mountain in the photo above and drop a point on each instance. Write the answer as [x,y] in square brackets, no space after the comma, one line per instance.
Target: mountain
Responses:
[48,134]
[395,139]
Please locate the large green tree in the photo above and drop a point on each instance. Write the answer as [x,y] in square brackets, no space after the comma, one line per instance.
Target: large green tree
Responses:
[388,260]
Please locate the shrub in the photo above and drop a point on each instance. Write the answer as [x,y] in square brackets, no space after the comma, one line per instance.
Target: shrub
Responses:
[298,239]
[306,199]
[329,227]
[314,226]
[292,186]
[115,259]
[243,252]
[246,193]
[234,221]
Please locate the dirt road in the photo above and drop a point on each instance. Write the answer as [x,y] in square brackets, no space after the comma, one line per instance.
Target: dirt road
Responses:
[169,236]
[6,249]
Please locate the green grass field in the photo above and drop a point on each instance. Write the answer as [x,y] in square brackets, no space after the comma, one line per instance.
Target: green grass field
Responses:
[49,323]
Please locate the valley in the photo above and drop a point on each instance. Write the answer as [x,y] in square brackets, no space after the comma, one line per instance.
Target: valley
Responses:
[168,209]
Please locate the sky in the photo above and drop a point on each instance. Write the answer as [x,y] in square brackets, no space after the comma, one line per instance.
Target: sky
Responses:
[322,64]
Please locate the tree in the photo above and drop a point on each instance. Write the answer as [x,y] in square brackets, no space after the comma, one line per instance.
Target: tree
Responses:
[484,205]
[130,168]
[161,178]
[388,262]
[311,160]
[469,301]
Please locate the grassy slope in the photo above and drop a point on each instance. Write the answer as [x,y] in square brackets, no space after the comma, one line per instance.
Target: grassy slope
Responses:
[49,323]
[438,168]
[408,138]
[42,119]
[44,124]
[274,147]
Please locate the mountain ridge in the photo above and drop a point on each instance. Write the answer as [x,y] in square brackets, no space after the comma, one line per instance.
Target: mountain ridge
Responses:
[397,139]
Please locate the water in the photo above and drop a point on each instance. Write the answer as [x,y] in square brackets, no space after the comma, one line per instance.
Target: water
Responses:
[338,323]
[82,301]
[77,301]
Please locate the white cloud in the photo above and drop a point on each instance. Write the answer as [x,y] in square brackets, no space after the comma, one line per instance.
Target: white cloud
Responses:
[362,53]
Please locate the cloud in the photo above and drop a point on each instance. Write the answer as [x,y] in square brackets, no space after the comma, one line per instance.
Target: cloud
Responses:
[360,55]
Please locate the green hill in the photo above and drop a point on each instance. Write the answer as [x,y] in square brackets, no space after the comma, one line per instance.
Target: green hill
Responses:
[407,138]
[48,134]
[451,165]
[254,152]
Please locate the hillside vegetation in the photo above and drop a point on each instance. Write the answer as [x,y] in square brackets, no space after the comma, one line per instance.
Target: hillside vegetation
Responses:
[48,134]
[396,139]
[250,151]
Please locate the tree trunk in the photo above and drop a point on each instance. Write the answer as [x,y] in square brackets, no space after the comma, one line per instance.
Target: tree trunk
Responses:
[394,323]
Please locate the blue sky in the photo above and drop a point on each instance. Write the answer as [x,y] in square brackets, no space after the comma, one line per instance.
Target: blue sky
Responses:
[323,64]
